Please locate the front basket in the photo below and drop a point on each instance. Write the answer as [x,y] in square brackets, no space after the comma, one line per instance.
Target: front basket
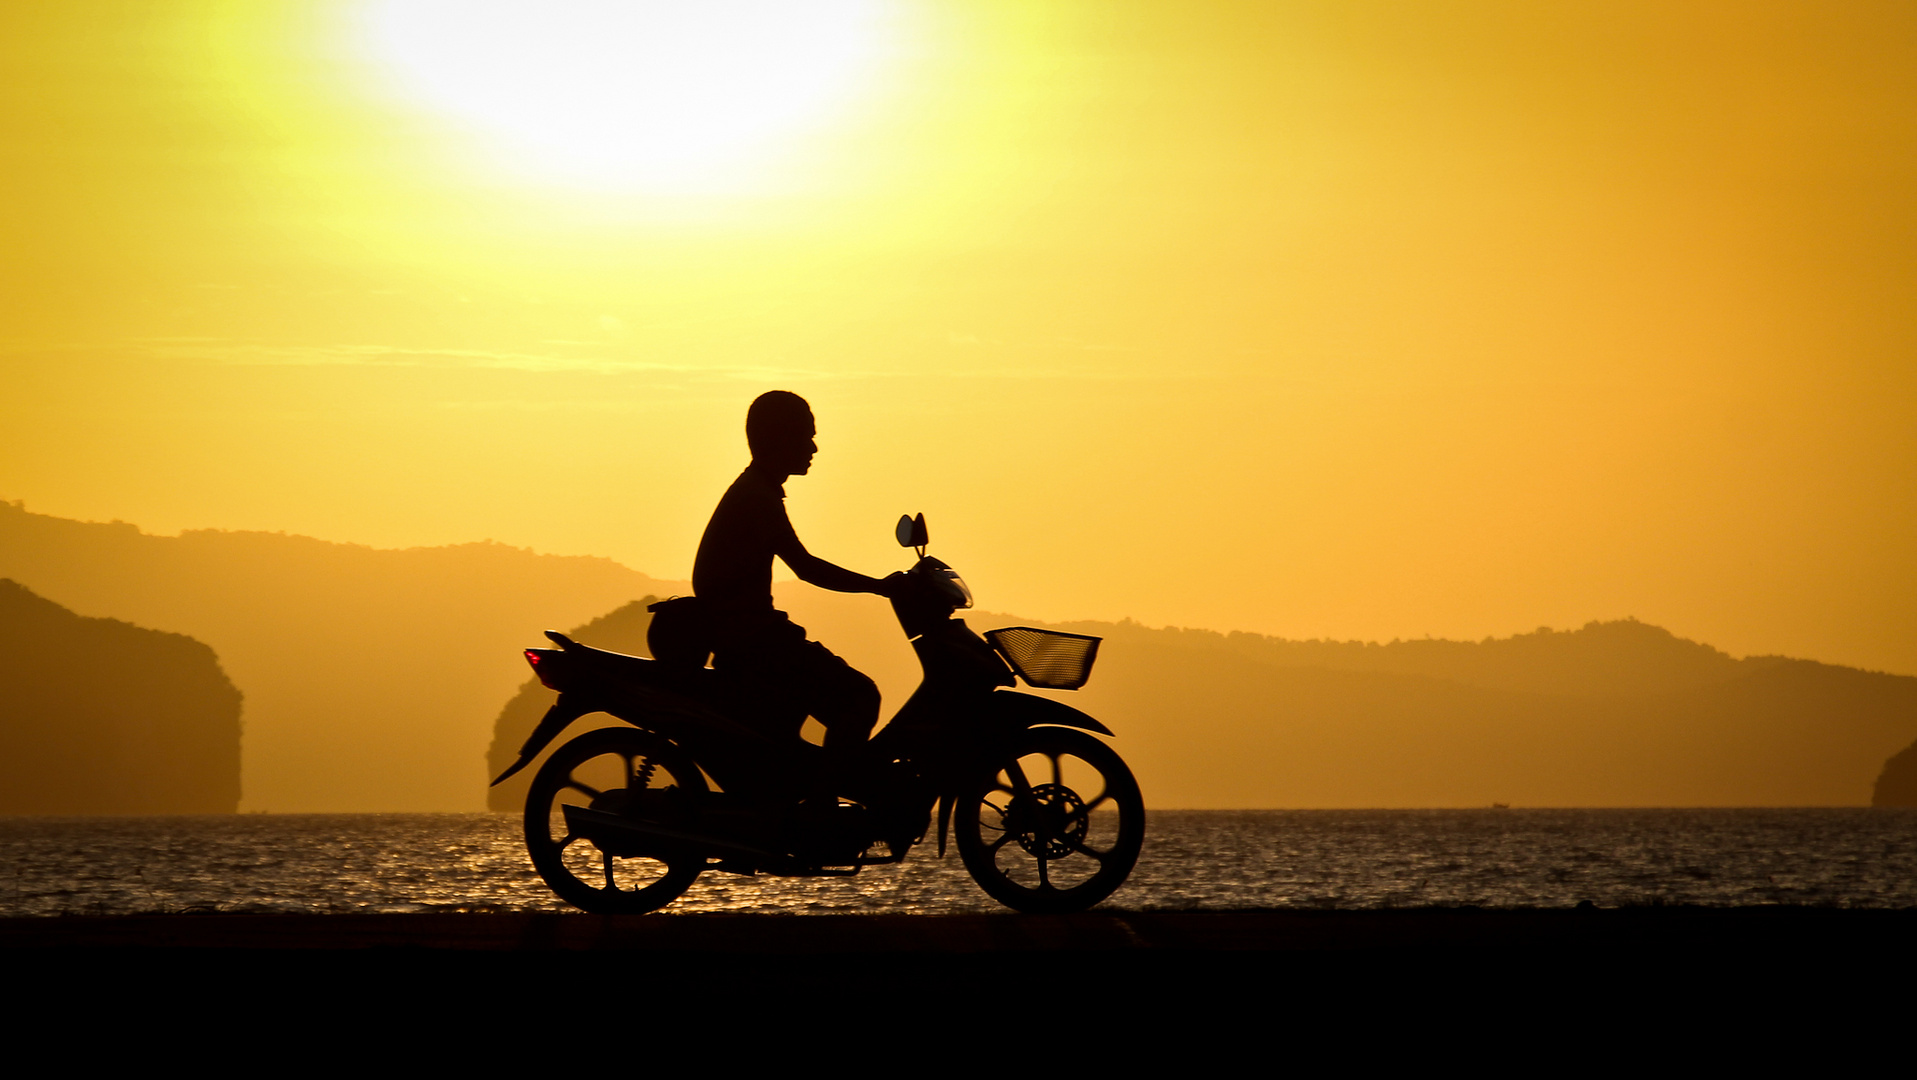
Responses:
[1046,659]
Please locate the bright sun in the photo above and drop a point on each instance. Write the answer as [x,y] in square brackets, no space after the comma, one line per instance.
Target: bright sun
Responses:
[651,94]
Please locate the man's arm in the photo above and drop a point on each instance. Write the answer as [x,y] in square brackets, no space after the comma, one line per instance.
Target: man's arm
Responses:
[816,571]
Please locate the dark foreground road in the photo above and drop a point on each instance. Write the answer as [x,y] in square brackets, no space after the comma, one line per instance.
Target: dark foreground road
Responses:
[1738,981]
[1249,936]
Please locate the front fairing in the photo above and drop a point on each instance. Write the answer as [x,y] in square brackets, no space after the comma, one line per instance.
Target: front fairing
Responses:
[931,592]
[956,658]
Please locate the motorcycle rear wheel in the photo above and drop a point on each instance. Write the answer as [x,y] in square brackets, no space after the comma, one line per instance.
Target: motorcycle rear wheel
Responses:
[604,770]
[1054,824]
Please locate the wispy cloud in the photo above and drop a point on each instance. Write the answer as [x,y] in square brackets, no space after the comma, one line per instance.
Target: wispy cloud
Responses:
[1063,360]
[1059,344]
[254,354]
[244,354]
[1056,360]
[593,405]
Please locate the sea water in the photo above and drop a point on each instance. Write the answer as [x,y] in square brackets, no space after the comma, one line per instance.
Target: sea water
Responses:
[1192,860]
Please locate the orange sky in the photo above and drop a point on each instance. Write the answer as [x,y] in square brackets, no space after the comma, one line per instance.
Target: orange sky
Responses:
[1319,319]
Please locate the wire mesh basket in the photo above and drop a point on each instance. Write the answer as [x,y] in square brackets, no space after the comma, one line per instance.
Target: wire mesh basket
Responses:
[1046,659]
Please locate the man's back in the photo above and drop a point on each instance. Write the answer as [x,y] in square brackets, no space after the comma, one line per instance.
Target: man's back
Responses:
[732,573]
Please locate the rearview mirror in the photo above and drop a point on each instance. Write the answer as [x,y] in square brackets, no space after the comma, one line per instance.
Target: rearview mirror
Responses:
[911,531]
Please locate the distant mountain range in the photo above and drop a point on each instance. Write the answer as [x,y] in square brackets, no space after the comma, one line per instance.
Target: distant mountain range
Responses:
[376,679]
[1611,714]
[371,676]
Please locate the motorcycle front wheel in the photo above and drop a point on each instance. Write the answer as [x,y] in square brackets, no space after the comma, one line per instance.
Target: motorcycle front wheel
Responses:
[1053,824]
[617,770]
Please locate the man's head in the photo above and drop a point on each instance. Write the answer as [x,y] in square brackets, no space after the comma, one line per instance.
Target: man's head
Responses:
[779,430]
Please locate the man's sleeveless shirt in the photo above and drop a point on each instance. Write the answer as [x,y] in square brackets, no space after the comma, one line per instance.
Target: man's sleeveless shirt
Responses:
[732,573]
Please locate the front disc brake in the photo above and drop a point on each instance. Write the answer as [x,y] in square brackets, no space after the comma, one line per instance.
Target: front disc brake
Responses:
[1049,822]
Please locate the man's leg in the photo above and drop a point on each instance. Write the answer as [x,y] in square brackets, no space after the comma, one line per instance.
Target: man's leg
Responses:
[839,696]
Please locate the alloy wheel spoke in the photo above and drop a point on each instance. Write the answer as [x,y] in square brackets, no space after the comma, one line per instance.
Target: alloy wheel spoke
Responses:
[1083,813]
[1097,856]
[1017,774]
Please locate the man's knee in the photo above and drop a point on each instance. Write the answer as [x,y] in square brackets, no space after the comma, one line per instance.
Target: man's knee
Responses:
[864,693]
[847,700]
[854,705]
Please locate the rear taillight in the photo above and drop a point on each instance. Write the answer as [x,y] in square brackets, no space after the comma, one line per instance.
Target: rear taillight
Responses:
[532,657]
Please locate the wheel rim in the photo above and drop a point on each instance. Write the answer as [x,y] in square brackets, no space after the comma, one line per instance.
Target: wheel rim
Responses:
[613,771]
[1056,827]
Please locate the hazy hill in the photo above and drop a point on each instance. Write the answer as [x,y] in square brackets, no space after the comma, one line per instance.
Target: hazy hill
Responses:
[1897,784]
[371,676]
[98,716]
[1612,714]
[1623,657]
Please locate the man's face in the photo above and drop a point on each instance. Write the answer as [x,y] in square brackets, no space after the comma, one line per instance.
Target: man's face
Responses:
[793,454]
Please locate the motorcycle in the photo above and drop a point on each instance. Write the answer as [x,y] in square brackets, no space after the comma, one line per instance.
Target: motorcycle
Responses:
[623,820]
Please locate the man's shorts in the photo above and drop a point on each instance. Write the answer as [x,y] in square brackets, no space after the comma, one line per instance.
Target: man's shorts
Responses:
[782,678]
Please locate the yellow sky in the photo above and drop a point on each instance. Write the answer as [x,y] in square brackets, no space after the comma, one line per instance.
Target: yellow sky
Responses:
[1319,319]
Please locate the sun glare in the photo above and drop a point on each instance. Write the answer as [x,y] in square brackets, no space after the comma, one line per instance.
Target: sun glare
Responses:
[690,96]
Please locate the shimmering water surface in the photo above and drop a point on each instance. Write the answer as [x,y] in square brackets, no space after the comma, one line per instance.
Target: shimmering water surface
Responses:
[1192,860]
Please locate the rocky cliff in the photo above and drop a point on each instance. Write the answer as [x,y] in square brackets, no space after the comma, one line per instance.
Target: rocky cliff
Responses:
[99,716]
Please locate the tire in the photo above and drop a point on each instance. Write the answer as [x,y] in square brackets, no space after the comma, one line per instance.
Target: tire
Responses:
[1053,823]
[599,770]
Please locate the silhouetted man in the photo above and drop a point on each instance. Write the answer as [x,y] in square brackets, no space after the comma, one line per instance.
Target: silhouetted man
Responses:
[732,576]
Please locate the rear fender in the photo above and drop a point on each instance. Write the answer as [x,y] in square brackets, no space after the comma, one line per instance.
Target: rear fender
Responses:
[557,719]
